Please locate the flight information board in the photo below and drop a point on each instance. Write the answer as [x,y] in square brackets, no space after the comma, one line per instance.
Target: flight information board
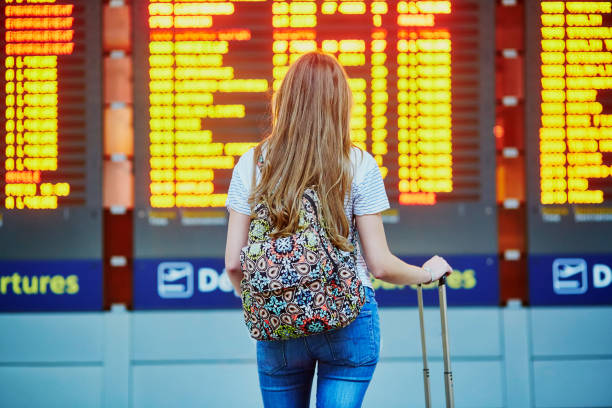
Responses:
[422,78]
[50,151]
[569,151]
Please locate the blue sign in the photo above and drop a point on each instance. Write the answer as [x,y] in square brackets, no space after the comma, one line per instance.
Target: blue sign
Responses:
[182,284]
[50,285]
[570,280]
[203,283]
[474,282]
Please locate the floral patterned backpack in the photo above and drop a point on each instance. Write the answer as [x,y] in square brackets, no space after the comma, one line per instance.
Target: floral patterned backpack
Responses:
[297,285]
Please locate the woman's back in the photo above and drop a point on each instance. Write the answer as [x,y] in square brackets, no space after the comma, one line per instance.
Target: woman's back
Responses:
[367,193]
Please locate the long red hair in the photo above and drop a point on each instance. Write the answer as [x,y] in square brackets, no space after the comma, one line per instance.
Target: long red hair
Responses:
[309,145]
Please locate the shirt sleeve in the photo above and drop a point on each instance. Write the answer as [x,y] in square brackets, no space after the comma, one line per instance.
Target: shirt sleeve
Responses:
[237,194]
[370,194]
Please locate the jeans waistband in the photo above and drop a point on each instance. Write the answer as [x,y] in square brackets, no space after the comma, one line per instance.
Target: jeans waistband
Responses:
[369,292]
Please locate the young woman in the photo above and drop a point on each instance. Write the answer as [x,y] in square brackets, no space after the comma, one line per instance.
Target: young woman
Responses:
[310,145]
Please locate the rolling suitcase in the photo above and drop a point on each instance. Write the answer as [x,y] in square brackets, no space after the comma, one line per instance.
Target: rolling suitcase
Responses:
[448,375]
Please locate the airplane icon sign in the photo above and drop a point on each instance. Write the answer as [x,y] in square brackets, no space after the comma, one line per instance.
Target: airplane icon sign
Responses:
[570,276]
[175,280]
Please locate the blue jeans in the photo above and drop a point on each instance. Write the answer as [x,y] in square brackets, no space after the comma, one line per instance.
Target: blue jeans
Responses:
[346,360]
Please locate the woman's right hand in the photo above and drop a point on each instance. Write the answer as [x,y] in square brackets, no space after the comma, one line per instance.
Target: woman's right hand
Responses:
[438,267]
[388,267]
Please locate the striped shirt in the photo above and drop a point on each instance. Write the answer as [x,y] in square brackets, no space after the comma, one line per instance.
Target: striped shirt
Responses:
[367,195]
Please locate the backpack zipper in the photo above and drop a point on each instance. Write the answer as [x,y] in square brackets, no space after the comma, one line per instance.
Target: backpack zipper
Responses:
[314,206]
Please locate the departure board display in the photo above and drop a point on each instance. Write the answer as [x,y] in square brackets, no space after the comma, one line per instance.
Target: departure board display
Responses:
[50,149]
[569,142]
[421,73]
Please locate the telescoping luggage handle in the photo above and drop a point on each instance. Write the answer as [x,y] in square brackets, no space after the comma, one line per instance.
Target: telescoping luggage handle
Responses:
[448,375]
